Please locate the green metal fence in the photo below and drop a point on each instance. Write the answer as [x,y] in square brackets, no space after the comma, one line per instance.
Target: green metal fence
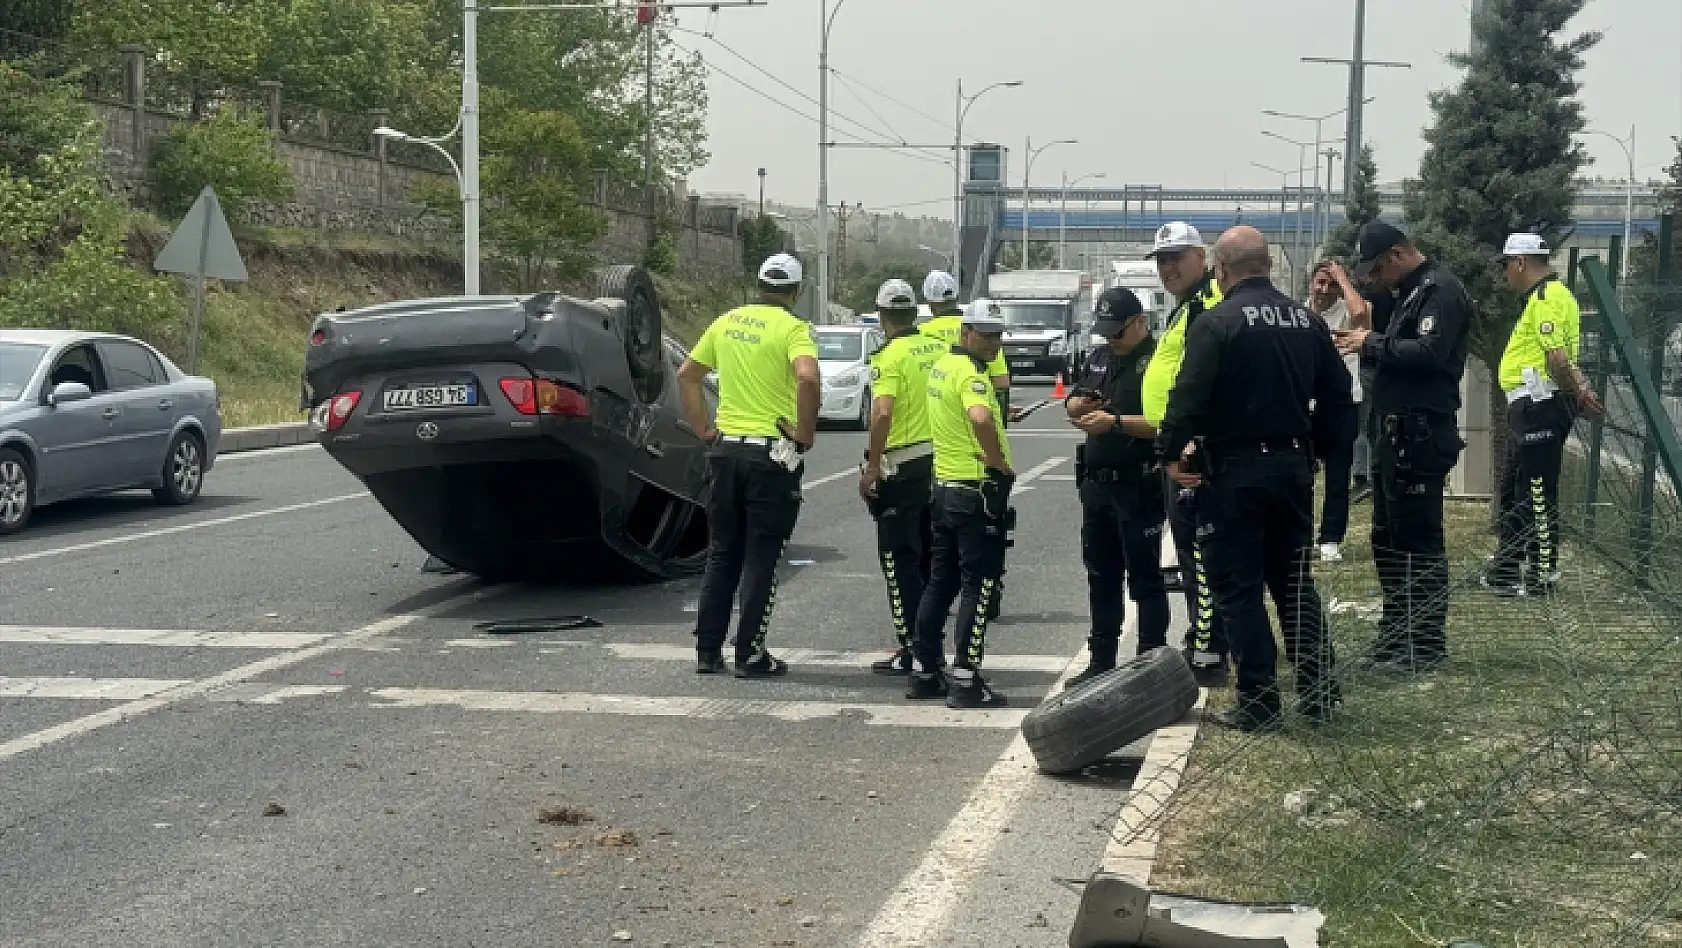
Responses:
[1620,491]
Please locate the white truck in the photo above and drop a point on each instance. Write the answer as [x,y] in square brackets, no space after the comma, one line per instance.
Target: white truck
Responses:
[1046,313]
[1140,277]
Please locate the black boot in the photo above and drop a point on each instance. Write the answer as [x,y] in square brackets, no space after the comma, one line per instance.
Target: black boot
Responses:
[1103,660]
[1255,714]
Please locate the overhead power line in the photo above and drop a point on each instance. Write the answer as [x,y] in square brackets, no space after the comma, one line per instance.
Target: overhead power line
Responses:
[904,105]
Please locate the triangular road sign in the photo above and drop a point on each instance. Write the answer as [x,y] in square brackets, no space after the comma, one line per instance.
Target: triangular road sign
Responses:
[203,246]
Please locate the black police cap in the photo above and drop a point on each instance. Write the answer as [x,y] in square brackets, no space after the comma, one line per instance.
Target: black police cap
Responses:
[1376,238]
[1115,308]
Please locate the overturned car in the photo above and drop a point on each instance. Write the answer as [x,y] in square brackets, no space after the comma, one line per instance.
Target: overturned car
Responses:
[519,437]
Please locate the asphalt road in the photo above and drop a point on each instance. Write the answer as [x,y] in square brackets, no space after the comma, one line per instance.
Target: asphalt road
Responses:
[166,675]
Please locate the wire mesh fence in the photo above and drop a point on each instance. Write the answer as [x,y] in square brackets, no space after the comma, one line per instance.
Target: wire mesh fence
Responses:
[1527,791]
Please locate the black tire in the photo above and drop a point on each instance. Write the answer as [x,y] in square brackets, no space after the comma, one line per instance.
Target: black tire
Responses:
[183,471]
[17,491]
[1086,723]
[642,328]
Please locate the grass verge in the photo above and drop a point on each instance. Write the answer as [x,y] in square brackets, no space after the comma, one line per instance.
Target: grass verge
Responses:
[1527,794]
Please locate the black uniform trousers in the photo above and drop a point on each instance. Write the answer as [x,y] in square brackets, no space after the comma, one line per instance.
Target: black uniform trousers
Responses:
[1415,453]
[903,539]
[1121,542]
[1256,515]
[1340,470]
[1530,488]
[969,558]
[1205,634]
[752,508]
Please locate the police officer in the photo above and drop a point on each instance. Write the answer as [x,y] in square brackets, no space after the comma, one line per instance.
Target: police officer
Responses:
[767,362]
[897,479]
[1181,263]
[1121,494]
[945,323]
[972,515]
[1239,424]
[1415,394]
[1546,391]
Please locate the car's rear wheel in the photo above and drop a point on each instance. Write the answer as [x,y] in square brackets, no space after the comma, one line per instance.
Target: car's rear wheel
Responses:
[641,330]
[183,473]
[17,491]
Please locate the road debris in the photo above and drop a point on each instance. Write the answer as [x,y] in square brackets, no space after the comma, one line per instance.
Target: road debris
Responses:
[617,839]
[622,936]
[565,815]
[274,809]
[540,625]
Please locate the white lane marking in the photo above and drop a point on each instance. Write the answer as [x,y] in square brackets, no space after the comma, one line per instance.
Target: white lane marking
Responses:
[481,643]
[922,905]
[827,659]
[91,689]
[1060,478]
[254,692]
[196,689]
[1026,481]
[714,709]
[262,453]
[1131,851]
[808,485]
[182,528]
[173,638]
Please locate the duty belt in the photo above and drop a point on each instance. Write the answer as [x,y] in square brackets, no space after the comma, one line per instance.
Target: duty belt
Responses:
[1261,446]
[910,452]
[755,440]
[1116,475]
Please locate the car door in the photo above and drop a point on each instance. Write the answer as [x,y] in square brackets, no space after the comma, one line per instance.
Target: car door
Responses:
[147,412]
[76,436]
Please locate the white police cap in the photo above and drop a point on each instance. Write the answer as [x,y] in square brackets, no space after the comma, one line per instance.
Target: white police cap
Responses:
[940,287]
[896,294]
[1174,235]
[984,315]
[1525,245]
[781,270]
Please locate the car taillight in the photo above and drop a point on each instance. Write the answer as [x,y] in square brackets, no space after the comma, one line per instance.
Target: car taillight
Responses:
[543,397]
[340,408]
[318,337]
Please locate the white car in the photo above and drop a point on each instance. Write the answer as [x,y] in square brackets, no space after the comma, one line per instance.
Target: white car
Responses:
[844,361]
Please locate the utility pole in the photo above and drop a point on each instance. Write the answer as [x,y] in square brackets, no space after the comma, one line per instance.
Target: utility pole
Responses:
[841,237]
[762,192]
[1357,84]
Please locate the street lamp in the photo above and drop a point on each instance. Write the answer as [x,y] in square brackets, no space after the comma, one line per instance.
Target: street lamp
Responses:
[1063,215]
[1284,198]
[1302,178]
[958,164]
[1629,202]
[469,201]
[1319,140]
[1027,172]
[826,22]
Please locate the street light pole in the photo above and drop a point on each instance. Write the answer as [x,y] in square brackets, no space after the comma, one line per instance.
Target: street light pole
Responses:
[470,146]
[1063,215]
[1629,204]
[962,110]
[1284,199]
[1321,232]
[1027,172]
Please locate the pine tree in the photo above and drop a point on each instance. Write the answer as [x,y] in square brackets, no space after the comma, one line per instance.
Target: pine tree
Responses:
[1502,156]
[1360,209]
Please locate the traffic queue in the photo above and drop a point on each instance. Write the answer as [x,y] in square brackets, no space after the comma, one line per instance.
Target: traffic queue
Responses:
[1216,431]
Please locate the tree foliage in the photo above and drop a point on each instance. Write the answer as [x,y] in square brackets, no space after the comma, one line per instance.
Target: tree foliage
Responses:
[1042,255]
[536,171]
[48,19]
[761,237]
[1360,209]
[1501,156]
[231,151]
[858,293]
[62,262]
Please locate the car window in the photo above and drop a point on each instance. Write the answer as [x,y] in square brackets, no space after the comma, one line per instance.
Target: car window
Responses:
[129,366]
[840,346]
[17,367]
[79,364]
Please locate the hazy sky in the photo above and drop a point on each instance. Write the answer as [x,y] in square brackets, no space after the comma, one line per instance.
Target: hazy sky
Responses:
[1123,77]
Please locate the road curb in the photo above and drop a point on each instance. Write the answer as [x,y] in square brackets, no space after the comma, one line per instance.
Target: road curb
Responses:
[1133,845]
[236,440]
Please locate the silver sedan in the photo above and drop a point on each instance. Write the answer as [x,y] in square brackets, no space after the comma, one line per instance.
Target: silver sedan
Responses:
[87,413]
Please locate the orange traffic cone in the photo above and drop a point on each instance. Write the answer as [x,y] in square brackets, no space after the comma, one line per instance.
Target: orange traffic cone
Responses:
[1058,391]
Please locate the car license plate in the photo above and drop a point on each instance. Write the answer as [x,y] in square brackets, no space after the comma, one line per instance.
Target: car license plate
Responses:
[428,396]
[1022,363]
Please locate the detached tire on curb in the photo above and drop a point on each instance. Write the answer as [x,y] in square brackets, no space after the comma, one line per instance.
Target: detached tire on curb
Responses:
[1086,723]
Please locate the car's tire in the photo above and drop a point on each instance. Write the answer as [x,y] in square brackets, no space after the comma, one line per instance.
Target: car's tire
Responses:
[641,329]
[183,472]
[1085,723]
[17,491]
